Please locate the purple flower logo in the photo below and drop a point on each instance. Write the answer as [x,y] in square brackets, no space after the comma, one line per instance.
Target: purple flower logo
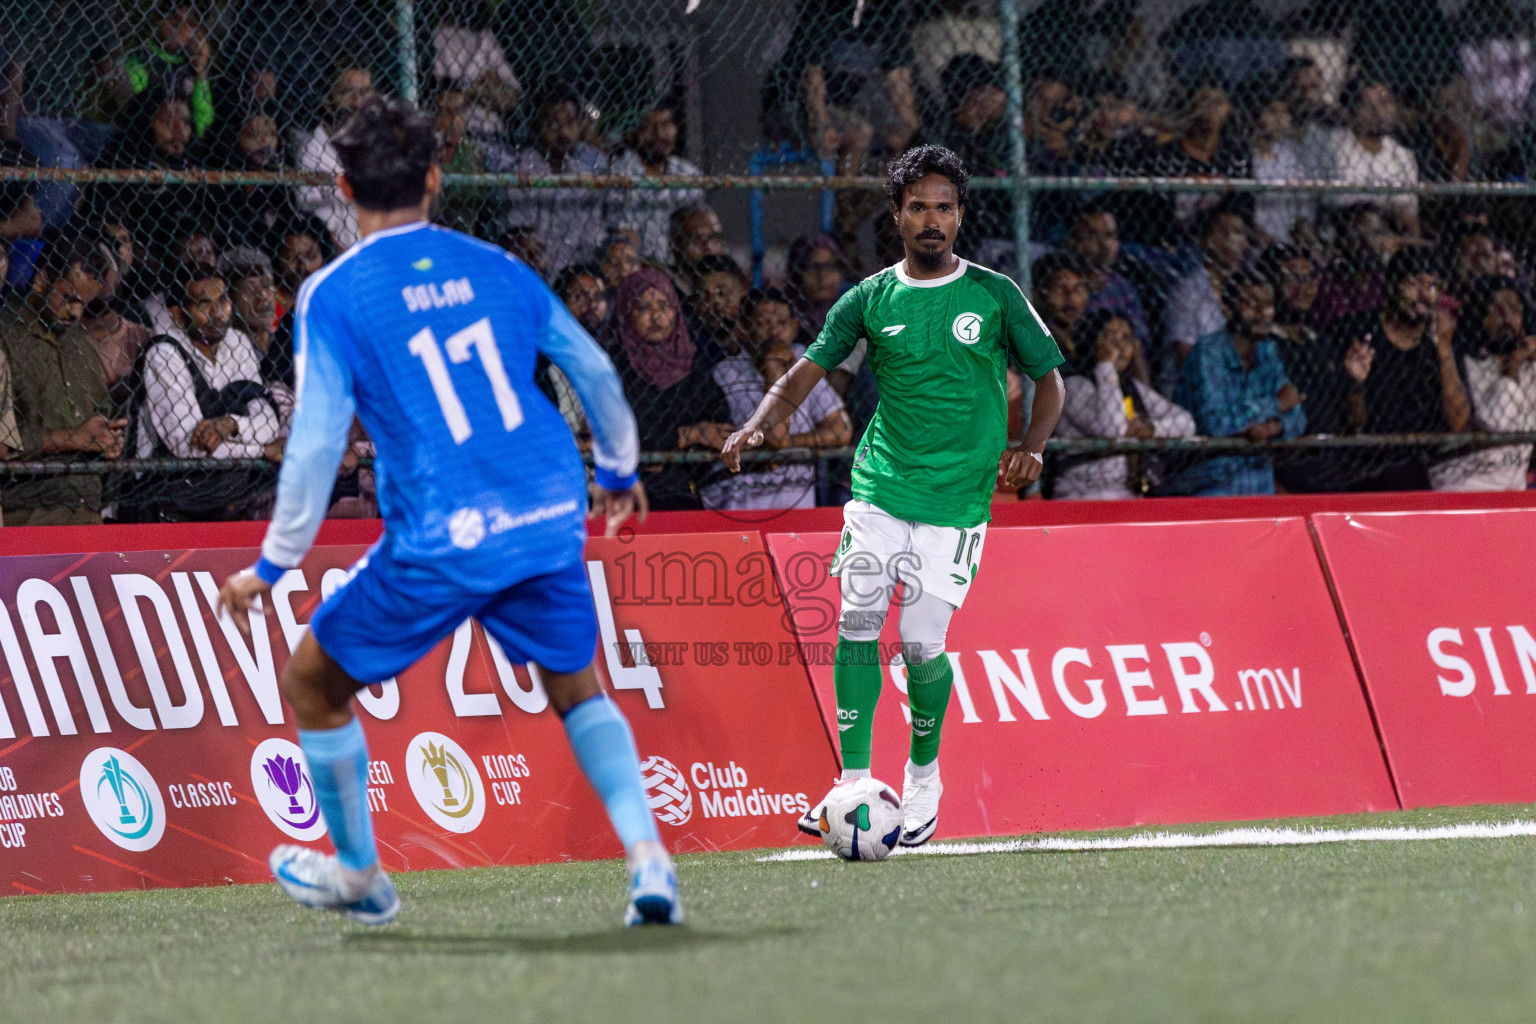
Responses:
[291,780]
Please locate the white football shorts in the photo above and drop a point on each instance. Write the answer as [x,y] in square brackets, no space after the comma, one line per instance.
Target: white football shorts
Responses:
[877,551]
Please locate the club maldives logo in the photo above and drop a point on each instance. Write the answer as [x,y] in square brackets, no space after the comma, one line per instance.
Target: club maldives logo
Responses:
[666,790]
[122,798]
[445,782]
[280,777]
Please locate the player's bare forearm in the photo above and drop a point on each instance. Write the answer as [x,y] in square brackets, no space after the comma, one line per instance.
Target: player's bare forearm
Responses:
[1022,464]
[781,400]
[1050,397]
[786,395]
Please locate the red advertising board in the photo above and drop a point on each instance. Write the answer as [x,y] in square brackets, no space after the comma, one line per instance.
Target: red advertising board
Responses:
[143,743]
[1439,605]
[1124,674]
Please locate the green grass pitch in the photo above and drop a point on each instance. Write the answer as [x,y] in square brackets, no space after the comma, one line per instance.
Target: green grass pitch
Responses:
[1399,931]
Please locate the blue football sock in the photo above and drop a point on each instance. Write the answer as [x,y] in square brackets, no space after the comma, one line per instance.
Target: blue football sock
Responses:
[338,762]
[605,749]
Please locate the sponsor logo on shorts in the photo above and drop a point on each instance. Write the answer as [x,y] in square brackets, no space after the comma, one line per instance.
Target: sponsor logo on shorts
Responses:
[445,782]
[666,790]
[967,328]
[284,788]
[466,528]
[122,798]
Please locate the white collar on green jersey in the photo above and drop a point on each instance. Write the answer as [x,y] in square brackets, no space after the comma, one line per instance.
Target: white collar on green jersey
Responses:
[937,282]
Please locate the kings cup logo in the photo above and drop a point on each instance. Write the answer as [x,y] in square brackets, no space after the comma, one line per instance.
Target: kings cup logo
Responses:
[122,798]
[666,790]
[445,782]
[283,786]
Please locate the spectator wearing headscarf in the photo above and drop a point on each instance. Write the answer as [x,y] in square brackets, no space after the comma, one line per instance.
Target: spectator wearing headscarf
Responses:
[677,404]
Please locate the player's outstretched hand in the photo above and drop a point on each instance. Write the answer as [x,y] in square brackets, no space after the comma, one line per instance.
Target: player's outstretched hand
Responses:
[616,506]
[239,593]
[1020,467]
[730,452]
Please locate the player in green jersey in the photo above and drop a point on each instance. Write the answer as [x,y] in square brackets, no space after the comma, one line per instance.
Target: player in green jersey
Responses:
[941,332]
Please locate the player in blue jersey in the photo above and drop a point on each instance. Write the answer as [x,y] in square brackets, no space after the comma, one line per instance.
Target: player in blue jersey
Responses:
[430,338]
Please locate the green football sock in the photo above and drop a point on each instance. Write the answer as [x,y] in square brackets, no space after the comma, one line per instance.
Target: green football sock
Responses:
[928,686]
[856,677]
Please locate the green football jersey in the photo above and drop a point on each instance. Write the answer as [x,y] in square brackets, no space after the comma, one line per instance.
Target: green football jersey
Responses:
[939,350]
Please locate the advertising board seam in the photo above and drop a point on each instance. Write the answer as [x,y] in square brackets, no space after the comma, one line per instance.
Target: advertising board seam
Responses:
[1354,656]
[805,660]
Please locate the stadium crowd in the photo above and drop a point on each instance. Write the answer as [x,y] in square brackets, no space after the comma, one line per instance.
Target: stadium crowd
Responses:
[156,320]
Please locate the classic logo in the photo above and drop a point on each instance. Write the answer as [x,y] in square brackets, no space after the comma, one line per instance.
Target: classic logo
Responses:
[122,798]
[967,328]
[666,790]
[893,330]
[280,776]
[445,782]
[466,528]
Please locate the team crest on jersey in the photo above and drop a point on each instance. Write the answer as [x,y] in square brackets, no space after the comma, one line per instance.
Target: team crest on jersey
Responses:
[967,328]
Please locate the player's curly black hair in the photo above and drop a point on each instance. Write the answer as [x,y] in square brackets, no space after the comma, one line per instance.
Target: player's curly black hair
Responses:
[919,162]
[386,149]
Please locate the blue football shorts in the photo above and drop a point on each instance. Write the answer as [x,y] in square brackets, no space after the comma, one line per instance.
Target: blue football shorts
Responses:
[388,616]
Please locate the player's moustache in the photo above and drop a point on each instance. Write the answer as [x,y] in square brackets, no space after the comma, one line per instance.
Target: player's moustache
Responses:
[933,233]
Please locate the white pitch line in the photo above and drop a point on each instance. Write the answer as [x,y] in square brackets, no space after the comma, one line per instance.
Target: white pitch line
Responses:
[1185,840]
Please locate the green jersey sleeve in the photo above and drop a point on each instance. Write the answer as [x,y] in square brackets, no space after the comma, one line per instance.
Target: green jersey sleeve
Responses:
[1028,339]
[842,331]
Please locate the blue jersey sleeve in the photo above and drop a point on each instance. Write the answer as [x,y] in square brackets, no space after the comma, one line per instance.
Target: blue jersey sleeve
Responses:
[615,438]
[322,418]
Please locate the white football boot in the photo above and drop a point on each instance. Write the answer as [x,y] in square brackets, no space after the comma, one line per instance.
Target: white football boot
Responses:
[317,880]
[653,897]
[920,806]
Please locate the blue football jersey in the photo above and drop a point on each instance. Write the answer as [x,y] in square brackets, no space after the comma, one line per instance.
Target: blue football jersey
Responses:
[430,337]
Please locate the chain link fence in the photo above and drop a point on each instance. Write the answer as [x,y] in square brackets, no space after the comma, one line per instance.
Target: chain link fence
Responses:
[1281,245]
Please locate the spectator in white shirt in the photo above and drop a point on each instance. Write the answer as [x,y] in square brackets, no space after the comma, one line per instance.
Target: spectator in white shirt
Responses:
[1499,366]
[652,153]
[1104,399]
[767,318]
[193,248]
[569,220]
[315,153]
[203,395]
[1194,307]
[1365,153]
[471,61]
[1276,157]
[820,422]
